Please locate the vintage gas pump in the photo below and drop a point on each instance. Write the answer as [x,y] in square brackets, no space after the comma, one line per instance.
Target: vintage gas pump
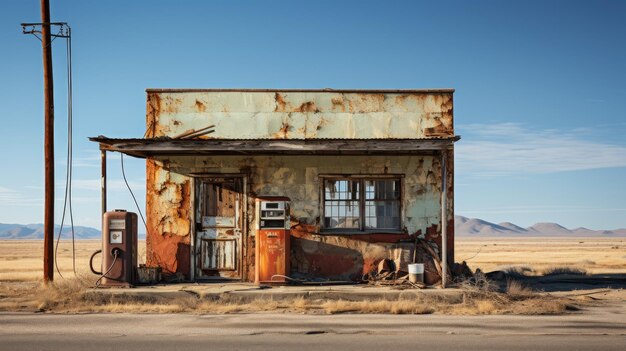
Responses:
[273,240]
[119,249]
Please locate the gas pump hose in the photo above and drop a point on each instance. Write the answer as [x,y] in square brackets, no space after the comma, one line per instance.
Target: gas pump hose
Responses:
[91,262]
[115,252]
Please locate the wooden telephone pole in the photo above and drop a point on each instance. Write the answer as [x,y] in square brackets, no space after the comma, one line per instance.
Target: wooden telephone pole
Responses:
[48,241]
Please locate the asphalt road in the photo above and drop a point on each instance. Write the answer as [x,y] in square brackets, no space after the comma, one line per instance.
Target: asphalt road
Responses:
[598,329]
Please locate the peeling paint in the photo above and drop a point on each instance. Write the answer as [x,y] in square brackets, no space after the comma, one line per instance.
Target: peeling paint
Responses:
[168,212]
[307,115]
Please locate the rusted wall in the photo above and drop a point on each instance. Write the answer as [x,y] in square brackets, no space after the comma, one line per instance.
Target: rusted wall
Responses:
[301,115]
[169,220]
[313,254]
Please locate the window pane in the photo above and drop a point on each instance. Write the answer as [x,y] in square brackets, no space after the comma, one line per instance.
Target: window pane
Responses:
[387,189]
[382,204]
[341,214]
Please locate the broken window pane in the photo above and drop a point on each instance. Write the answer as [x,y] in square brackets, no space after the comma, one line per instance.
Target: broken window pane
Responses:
[382,204]
[340,208]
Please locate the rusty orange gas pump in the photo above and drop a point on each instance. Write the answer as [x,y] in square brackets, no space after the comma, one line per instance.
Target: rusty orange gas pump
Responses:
[119,250]
[273,240]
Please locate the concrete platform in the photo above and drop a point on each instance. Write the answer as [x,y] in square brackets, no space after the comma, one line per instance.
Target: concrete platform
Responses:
[249,291]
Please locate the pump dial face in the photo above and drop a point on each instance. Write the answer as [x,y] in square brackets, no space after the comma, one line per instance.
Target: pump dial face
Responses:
[115,236]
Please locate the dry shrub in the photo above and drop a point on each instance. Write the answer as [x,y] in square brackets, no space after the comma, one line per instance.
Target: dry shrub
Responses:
[378,306]
[477,286]
[63,293]
[482,297]
[517,291]
[300,304]
[486,306]
[558,270]
[263,305]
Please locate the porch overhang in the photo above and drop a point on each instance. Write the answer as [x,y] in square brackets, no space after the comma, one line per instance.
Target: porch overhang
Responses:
[146,148]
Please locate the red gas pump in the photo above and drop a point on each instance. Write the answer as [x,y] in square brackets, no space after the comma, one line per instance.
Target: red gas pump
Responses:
[273,240]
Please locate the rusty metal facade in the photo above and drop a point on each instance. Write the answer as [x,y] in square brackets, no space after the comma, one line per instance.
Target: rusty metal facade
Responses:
[301,115]
[172,180]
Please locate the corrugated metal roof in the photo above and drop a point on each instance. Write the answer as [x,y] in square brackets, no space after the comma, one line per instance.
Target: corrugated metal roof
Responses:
[166,146]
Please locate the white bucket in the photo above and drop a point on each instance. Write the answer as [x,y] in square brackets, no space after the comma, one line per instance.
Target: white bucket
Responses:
[416,272]
[416,268]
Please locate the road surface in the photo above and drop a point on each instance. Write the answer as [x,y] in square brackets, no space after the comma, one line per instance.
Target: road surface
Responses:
[597,329]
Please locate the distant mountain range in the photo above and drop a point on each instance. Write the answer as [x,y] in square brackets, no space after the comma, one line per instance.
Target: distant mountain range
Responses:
[464,226]
[35,231]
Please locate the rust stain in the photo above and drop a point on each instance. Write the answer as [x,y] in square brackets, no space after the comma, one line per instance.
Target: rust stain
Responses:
[338,104]
[284,129]
[308,106]
[153,113]
[281,105]
[200,106]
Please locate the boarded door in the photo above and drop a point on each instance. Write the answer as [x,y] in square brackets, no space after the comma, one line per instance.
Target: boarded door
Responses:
[219,219]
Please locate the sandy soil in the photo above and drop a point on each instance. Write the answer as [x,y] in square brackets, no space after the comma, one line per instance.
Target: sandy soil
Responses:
[594,255]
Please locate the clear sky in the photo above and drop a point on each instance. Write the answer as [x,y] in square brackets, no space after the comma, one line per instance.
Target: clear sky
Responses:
[540,89]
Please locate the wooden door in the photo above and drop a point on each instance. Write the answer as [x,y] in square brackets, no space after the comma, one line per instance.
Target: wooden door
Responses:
[219,222]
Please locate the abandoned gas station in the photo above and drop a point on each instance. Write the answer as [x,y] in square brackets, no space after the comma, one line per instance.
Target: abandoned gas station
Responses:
[307,185]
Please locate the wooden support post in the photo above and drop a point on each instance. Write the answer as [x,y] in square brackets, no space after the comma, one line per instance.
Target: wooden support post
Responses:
[103,180]
[444,221]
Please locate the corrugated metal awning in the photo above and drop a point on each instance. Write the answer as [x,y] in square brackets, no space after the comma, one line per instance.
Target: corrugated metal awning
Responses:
[170,147]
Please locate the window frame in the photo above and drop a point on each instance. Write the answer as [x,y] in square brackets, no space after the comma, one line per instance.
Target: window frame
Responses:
[361,179]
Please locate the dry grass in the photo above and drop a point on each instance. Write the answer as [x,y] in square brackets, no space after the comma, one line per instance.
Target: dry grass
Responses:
[594,255]
[377,306]
[479,296]
[21,289]
[517,290]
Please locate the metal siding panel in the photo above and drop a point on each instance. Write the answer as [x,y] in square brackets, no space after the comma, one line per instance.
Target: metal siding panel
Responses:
[302,115]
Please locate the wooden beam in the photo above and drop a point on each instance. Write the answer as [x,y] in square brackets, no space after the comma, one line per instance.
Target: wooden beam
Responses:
[147,148]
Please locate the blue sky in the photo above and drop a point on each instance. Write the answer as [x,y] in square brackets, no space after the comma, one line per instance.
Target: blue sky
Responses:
[540,96]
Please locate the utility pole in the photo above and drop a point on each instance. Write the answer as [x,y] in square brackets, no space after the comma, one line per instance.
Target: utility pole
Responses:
[45,36]
[48,241]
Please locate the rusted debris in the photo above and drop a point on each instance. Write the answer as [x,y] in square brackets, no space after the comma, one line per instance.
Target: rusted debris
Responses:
[148,275]
[386,274]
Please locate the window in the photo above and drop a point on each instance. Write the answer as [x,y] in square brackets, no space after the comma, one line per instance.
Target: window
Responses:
[362,204]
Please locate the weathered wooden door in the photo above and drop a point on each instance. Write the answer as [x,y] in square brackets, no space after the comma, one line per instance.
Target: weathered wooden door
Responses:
[219,222]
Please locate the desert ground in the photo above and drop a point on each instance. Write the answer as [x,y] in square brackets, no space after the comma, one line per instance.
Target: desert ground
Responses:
[593,255]
[22,260]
